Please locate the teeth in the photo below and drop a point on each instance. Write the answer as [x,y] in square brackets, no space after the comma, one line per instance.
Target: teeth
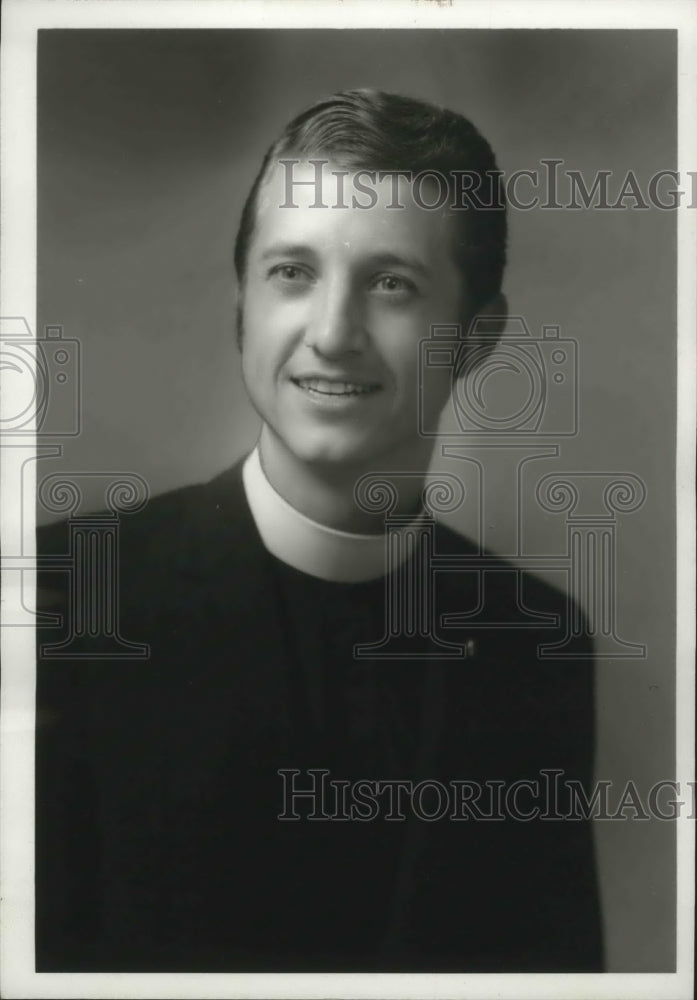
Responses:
[334,388]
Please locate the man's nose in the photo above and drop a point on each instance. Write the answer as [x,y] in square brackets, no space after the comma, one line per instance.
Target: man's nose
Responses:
[336,325]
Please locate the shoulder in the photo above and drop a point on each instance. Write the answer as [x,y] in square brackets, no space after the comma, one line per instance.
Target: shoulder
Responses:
[195,507]
[177,534]
[530,632]
[505,579]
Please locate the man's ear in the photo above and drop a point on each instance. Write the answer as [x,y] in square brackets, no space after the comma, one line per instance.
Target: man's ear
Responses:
[239,321]
[486,326]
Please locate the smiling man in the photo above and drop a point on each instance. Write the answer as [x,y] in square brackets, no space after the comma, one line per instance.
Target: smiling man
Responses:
[257,796]
[337,290]
[334,305]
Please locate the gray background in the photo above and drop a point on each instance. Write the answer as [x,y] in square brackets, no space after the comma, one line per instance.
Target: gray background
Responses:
[148,142]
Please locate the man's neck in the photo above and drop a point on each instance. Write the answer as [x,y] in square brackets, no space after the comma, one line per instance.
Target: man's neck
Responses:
[325,492]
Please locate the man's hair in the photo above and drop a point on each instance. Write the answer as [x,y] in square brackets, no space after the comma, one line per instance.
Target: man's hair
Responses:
[377,131]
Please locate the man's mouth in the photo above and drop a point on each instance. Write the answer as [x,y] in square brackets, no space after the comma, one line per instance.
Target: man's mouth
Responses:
[335,387]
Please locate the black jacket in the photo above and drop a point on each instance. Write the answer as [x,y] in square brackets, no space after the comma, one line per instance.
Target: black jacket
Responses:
[159,843]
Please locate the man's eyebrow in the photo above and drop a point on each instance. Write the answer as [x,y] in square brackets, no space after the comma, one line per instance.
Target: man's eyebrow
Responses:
[287,250]
[388,259]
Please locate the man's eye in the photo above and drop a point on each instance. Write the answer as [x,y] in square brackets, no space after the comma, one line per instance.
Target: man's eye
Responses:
[290,273]
[394,284]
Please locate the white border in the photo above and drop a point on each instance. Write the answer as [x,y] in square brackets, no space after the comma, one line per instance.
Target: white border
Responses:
[20,22]
[685,491]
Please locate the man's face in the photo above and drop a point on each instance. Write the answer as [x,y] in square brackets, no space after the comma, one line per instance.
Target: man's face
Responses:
[334,304]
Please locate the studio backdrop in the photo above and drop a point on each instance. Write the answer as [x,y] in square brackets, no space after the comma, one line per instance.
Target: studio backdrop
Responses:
[148,142]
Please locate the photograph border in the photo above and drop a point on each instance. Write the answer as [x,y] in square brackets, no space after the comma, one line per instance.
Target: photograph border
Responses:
[21,22]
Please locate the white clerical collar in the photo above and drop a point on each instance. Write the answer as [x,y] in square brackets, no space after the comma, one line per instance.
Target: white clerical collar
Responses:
[338,556]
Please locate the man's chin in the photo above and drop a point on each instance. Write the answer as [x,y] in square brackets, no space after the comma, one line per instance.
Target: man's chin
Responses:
[335,456]
[333,451]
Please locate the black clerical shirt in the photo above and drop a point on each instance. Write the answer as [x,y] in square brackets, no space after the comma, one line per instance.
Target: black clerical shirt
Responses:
[167,787]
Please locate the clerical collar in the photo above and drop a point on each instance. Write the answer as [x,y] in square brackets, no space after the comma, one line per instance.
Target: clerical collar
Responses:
[298,541]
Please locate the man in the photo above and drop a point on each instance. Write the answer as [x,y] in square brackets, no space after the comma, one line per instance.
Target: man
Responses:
[246,799]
